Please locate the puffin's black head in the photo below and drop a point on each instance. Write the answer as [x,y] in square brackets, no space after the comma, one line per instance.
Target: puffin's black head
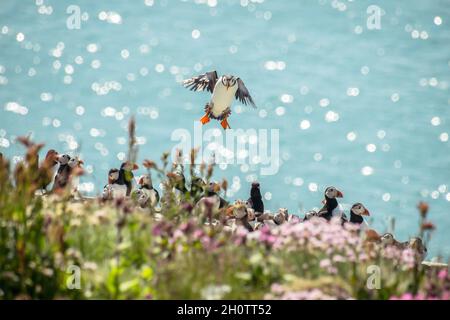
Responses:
[63,159]
[255,192]
[75,162]
[229,80]
[213,188]
[359,210]
[332,193]
[146,181]
[113,175]
[197,183]
[387,239]
[129,166]
[310,214]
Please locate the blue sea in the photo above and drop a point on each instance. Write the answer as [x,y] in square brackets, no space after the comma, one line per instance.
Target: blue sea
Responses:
[358,101]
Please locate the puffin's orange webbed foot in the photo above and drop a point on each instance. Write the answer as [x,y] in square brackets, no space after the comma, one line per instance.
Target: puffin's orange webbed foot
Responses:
[205,119]
[225,124]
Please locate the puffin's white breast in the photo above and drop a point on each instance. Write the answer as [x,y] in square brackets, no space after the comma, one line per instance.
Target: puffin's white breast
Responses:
[222,97]
[338,211]
[118,190]
[149,195]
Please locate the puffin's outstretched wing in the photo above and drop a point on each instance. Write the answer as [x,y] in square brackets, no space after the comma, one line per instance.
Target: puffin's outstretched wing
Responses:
[243,95]
[202,82]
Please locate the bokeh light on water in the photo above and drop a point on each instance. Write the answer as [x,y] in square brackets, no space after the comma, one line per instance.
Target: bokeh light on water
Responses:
[365,110]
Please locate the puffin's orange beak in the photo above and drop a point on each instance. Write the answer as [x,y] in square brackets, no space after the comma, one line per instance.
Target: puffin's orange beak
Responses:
[135,166]
[339,194]
[141,181]
[366,213]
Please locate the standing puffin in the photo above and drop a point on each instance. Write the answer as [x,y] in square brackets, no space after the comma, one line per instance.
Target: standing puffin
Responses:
[74,163]
[126,175]
[211,195]
[113,189]
[331,207]
[63,173]
[49,167]
[224,90]
[255,201]
[310,214]
[146,194]
[357,212]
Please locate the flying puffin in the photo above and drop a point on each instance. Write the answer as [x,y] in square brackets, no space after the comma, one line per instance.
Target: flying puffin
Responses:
[255,201]
[357,212]
[113,189]
[224,90]
[126,175]
[146,194]
[331,207]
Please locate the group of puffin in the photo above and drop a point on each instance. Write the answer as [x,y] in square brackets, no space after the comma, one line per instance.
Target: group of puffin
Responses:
[331,208]
[62,168]
[120,185]
[250,213]
[252,216]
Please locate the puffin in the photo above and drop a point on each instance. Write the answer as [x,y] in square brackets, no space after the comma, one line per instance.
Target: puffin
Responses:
[73,163]
[63,174]
[113,189]
[415,243]
[48,167]
[197,188]
[146,194]
[279,218]
[240,215]
[212,195]
[331,207]
[255,201]
[388,239]
[223,91]
[126,175]
[418,246]
[310,214]
[357,212]
[285,213]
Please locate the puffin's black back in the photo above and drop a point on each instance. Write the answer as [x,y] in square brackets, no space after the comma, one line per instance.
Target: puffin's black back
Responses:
[125,178]
[354,218]
[327,210]
[255,200]
[62,177]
